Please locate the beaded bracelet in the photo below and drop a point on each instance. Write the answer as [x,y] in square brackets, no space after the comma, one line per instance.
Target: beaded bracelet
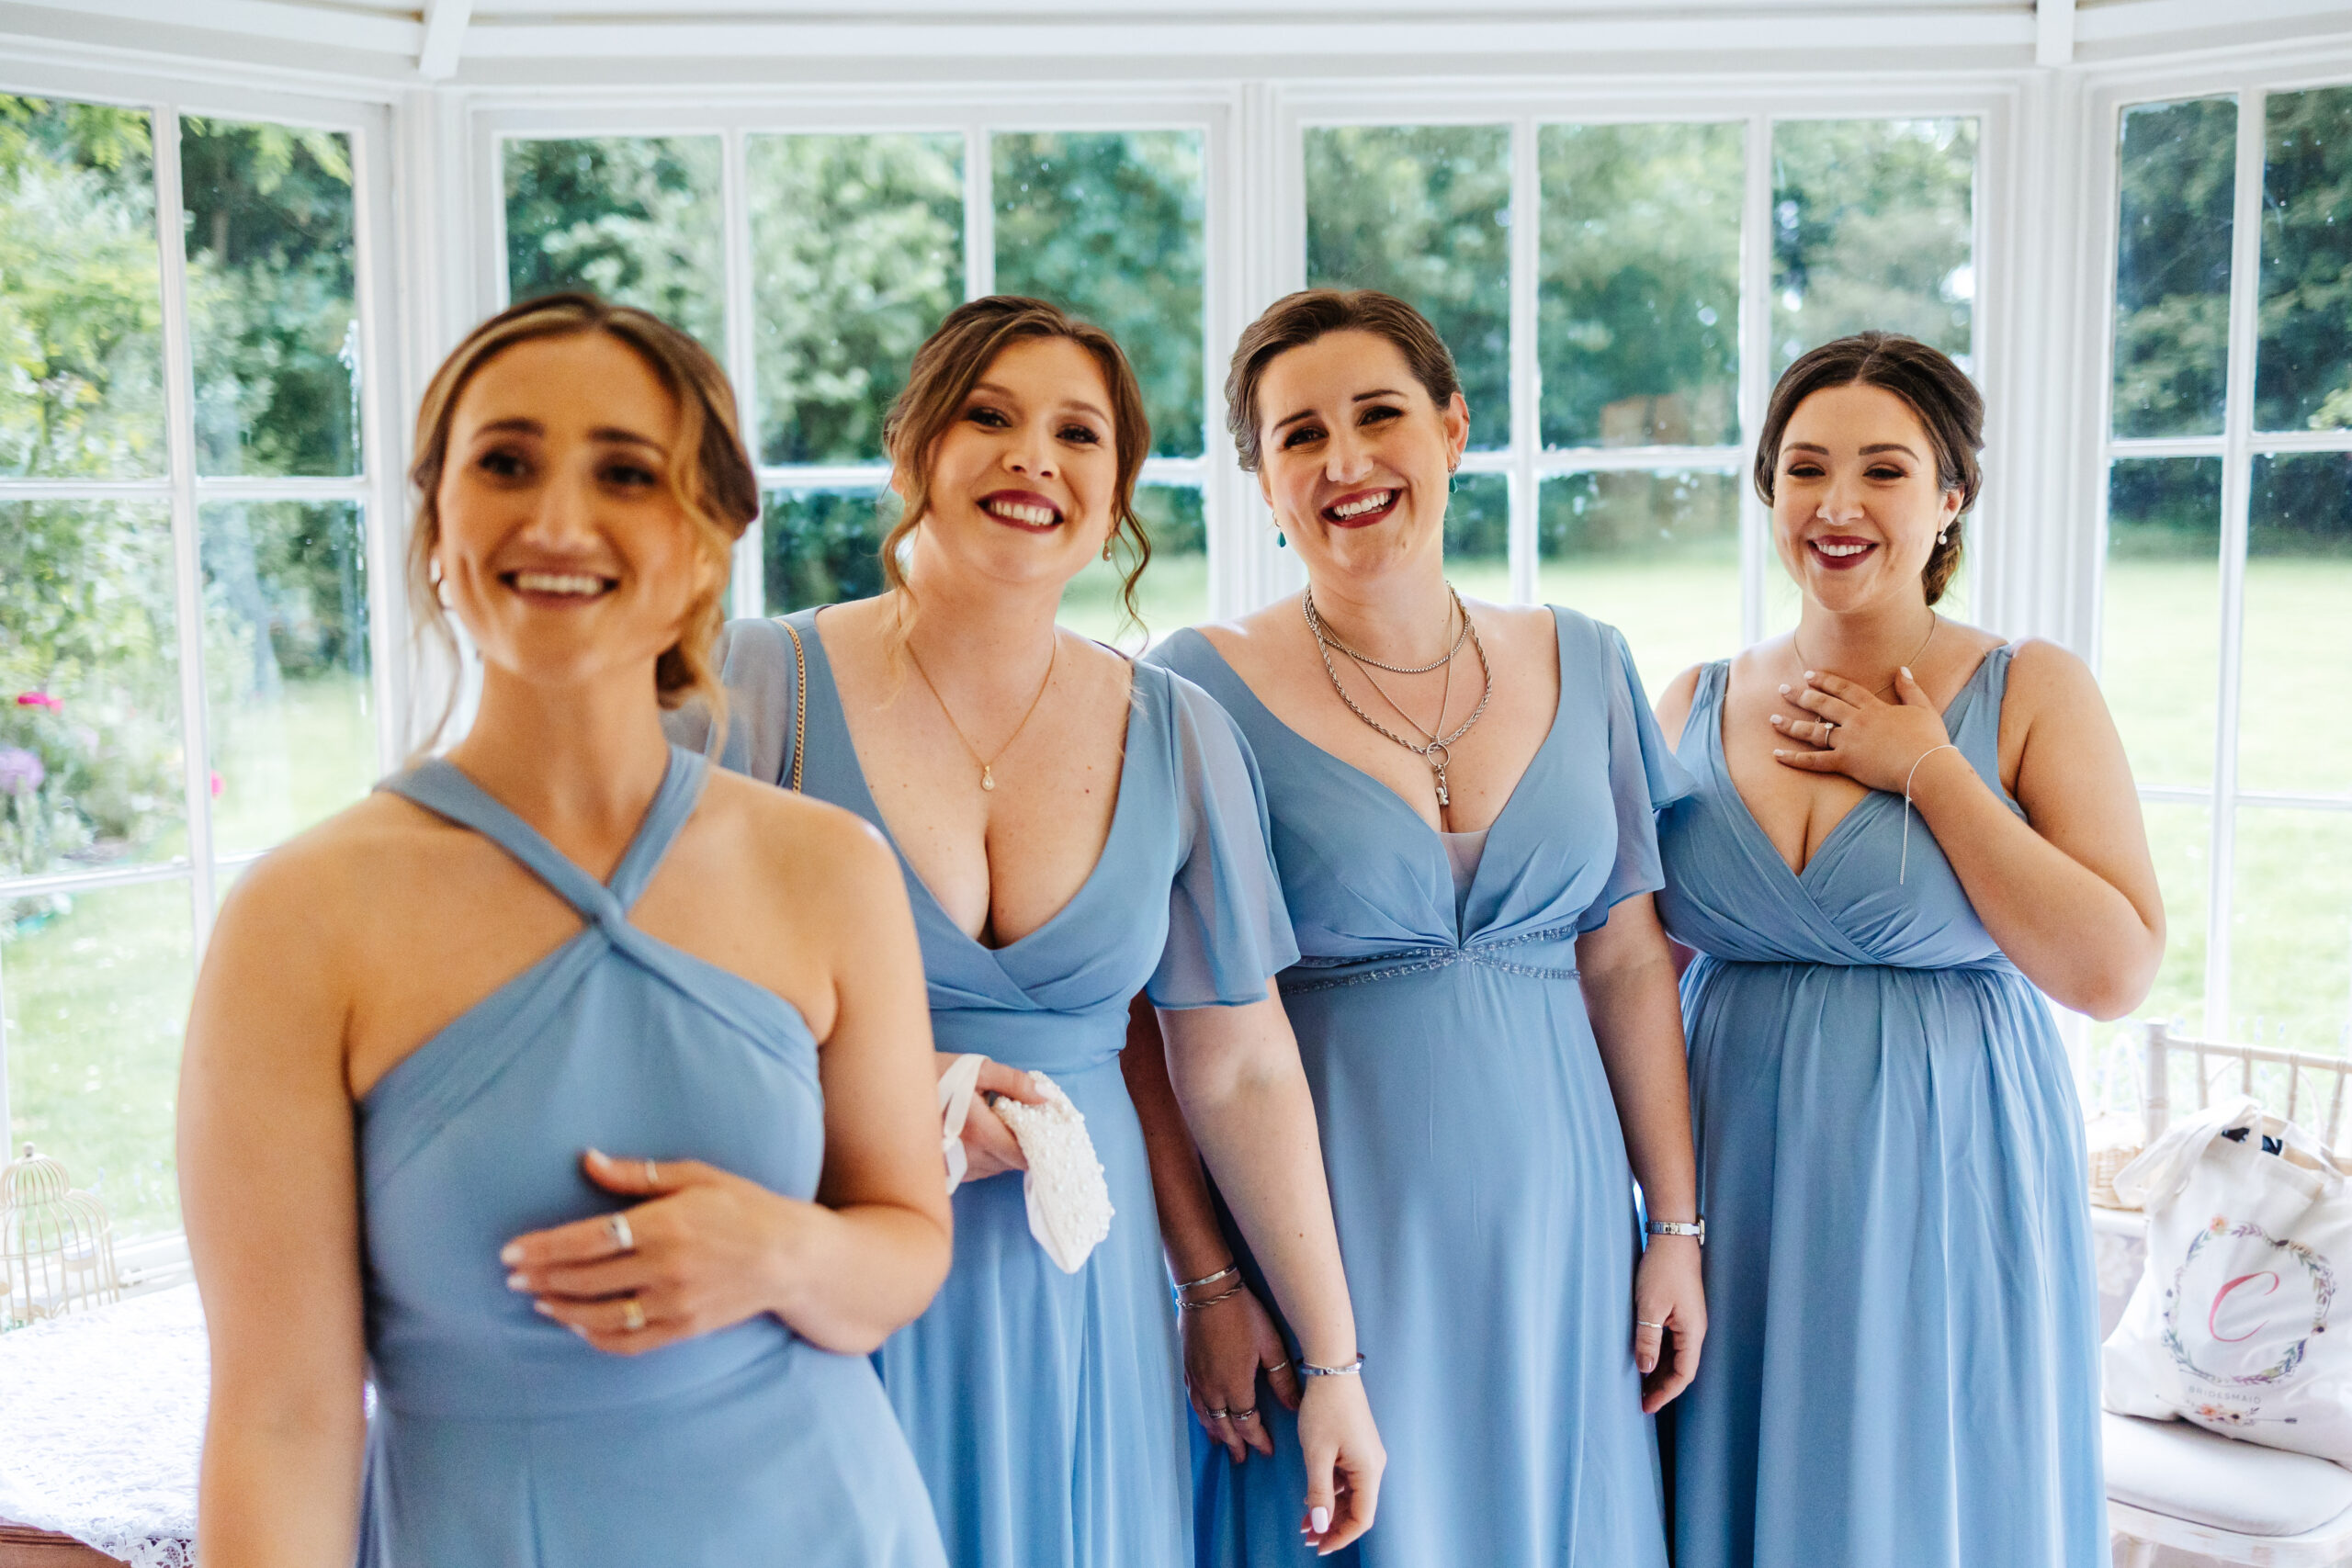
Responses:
[1209,1279]
[1352,1370]
[1183,1305]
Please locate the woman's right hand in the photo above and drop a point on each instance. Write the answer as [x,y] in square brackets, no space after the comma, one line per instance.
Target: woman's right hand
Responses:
[1226,1346]
[990,1147]
[1344,1461]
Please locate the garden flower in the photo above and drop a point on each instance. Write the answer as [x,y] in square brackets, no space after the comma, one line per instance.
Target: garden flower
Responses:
[20,770]
[39,700]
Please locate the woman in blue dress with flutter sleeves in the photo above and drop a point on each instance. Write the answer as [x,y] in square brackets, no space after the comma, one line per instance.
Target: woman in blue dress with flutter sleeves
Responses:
[1902,826]
[1074,828]
[1461,800]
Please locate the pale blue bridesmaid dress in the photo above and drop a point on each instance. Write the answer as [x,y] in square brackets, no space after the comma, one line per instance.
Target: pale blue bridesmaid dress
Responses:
[1485,1205]
[500,1439]
[1046,1410]
[1902,1354]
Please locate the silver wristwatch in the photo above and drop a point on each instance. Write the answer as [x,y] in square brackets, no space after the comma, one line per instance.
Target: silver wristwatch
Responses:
[1696,1229]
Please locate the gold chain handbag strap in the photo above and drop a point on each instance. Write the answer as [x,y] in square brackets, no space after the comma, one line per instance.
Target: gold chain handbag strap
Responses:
[799,699]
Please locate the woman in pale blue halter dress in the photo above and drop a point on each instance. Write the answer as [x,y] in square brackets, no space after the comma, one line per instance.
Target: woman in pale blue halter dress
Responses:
[419,1023]
[1903,1368]
[1045,1408]
[1484,1003]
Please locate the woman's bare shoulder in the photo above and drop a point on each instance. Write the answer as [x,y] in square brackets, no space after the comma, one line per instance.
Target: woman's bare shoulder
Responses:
[785,839]
[329,881]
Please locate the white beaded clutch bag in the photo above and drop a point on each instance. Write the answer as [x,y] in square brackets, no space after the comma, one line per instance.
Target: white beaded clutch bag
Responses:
[1069,1203]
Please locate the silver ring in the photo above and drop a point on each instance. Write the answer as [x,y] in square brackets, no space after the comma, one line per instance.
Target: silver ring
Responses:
[1278,1366]
[616,1227]
[1220,1415]
[652,1174]
[1248,1414]
[1639,1324]
[632,1315]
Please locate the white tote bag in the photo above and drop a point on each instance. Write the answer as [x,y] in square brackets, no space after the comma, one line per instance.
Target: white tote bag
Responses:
[2248,1221]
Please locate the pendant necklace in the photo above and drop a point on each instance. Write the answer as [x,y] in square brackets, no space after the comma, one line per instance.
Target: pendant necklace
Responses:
[1437,750]
[987,764]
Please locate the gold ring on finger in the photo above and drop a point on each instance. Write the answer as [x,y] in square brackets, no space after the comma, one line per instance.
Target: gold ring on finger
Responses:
[633,1315]
[624,1238]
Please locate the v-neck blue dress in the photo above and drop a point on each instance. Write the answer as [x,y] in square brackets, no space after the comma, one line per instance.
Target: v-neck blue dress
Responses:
[1485,1205]
[1047,1409]
[500,1439]
[1902,1353]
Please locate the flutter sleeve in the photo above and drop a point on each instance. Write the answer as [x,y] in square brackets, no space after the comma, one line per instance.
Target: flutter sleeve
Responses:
[1228,929]
[1645,777]
[756,666]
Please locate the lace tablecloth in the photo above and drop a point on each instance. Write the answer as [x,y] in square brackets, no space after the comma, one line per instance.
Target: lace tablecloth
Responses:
[101,1417]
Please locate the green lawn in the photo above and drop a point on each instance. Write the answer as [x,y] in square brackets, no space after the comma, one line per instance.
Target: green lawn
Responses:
[96,991]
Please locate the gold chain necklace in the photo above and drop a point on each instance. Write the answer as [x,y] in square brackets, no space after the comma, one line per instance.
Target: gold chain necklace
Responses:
[1934,621]
[1437,751]
[987,764]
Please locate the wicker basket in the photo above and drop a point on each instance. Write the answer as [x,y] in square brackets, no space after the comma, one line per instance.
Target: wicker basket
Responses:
[2115,1142]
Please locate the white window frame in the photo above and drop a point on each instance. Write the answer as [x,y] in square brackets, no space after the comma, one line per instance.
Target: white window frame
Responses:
[375,490]
[2238,446]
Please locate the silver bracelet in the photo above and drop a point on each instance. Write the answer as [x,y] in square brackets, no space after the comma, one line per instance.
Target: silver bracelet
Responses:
[1225,1295]
[1352,1370]
[1696,1229]
[1209,1279]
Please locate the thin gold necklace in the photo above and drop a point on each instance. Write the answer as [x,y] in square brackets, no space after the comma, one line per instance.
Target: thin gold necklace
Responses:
[987,764]
[1934,621]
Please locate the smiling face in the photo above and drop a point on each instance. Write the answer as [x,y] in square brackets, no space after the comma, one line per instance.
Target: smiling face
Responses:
[1024,477]
[563,549]
[1857,502]
[1354,455]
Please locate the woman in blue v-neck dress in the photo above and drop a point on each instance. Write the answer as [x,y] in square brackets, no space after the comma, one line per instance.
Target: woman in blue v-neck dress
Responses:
[1074,828]
[1483,999]
[419,1022]
[1903,1368]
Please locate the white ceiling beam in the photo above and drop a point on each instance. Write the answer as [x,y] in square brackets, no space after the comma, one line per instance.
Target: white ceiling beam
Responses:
[445,38]
[2053,32]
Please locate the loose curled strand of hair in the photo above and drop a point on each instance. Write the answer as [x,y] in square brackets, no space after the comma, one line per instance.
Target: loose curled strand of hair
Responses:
[1947,403]
[948,367]
[715,486]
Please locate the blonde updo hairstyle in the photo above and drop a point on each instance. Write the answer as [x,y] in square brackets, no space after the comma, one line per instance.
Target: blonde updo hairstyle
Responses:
[950,363]
[713,480]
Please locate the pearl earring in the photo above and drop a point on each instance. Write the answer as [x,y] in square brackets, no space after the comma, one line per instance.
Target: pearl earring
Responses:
[1943,536]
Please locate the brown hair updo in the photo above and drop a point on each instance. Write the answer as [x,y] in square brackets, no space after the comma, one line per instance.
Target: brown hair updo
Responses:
[1949,406]
[1296,320]
[951,362]
[713,482]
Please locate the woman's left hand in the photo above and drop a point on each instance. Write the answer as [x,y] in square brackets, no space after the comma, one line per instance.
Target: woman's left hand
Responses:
[703,1255]
[1850,731]
[1667,1292]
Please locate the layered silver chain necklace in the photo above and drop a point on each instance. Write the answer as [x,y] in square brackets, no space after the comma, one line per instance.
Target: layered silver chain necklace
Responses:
[1435,749]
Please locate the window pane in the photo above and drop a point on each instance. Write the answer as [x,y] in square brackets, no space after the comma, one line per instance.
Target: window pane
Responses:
[1477,537]
[636,218]
[1870,228]
[2303,373]
[90,758]
[2181,839]
[2160,649]
[1174,589]
[820,546]
[285,667]
[2172,272]
[1423,212]
[2298,637]
[97,989]
[2290,928]
[1657,556]
[270,293]
[81,301]
[1639,301]
[1108,225]
[857,251]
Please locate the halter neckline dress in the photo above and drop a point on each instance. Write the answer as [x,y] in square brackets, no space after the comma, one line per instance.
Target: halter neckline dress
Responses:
[1478,1173]
[499,1436]
[1046,1410]
[1900,1363]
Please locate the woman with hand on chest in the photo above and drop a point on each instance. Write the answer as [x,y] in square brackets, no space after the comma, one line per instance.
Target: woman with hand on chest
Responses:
[1074,828]
[1904,826]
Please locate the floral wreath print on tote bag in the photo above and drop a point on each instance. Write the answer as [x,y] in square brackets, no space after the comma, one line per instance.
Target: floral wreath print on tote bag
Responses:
[2241,1299]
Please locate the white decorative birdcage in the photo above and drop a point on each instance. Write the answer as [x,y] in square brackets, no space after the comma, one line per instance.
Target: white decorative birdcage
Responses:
[56,1244]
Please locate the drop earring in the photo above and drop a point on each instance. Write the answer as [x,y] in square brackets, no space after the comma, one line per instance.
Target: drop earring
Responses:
[1280,543]
[1943,536]
[1106,549]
